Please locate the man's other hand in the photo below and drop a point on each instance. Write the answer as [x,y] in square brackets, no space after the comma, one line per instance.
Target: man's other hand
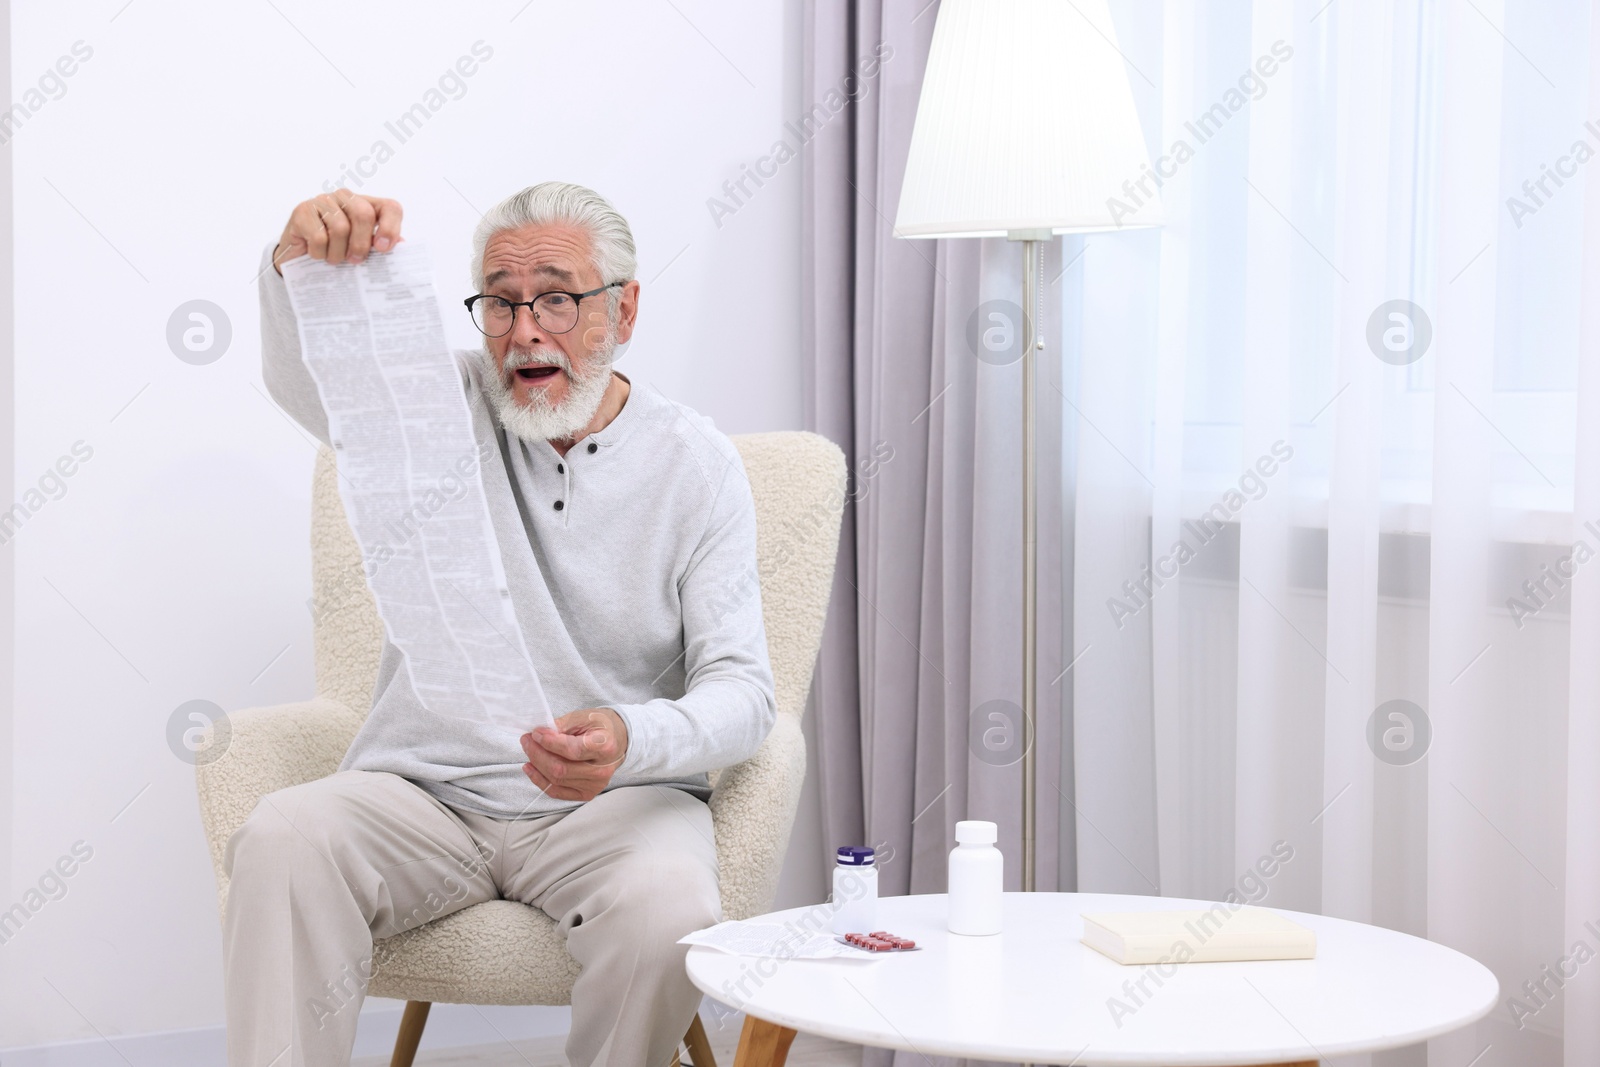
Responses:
[339,226]
[576,760]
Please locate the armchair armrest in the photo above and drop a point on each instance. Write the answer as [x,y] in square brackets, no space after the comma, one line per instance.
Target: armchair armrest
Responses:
[269,749]
[752,810]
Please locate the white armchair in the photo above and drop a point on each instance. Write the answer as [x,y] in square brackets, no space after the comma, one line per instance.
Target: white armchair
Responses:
[501,952]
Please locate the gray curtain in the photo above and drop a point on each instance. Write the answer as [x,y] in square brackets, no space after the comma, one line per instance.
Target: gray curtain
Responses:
[910,372]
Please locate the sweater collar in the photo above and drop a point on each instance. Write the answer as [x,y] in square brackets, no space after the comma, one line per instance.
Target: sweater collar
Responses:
[620,427]
[616,431]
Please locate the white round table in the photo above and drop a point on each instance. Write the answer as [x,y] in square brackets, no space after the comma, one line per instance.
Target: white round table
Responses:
[1036,994]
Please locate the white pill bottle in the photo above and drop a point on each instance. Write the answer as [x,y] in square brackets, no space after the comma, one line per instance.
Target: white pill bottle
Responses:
[976,879]
[855,891]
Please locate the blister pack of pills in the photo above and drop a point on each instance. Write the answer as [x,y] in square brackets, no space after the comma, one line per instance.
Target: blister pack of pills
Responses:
[879,941]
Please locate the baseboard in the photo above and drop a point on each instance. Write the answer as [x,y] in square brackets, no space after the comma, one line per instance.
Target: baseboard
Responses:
[449,1026]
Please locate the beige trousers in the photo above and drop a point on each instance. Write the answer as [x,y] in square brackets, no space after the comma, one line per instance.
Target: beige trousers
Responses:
[320,870]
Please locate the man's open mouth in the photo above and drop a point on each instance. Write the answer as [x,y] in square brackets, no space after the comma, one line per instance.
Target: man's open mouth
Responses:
[538,373]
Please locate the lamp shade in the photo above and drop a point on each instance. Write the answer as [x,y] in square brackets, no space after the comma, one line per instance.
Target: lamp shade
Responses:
[1026,122]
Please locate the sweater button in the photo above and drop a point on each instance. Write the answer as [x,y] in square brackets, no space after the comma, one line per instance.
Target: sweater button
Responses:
[560,505]
[593,448]
[561,468]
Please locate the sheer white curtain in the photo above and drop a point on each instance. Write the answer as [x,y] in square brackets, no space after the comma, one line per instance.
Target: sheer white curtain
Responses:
[1331,448]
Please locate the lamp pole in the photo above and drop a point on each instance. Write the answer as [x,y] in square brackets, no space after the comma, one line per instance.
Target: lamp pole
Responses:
[1032,279]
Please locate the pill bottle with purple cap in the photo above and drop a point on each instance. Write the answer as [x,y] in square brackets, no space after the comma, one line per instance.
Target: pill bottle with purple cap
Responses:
[855,891]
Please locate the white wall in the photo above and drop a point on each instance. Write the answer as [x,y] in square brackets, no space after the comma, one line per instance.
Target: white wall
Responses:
[175,565]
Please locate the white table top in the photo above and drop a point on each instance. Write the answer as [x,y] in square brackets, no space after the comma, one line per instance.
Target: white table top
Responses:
[1035,993]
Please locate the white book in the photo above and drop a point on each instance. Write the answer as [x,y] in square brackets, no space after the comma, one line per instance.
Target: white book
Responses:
[1222,934]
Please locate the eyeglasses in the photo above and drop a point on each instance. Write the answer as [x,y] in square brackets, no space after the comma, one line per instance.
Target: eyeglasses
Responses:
[555,311]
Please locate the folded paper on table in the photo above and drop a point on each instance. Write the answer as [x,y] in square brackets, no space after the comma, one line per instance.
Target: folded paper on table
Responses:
[410,476]
[775,941]
[1223,934]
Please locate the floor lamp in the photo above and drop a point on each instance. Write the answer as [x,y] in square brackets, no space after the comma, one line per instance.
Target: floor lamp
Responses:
[1026,128]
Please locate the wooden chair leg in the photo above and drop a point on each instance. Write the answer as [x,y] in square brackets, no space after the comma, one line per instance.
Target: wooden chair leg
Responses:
[762,1044]
[699,1044]
[410,1036]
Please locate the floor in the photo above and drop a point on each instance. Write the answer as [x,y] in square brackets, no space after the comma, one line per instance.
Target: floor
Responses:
[807,1051]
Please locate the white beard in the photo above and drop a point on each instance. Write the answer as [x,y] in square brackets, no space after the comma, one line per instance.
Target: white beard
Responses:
[538,420]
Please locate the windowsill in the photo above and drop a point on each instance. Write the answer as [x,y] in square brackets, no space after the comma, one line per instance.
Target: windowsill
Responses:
[1522,515]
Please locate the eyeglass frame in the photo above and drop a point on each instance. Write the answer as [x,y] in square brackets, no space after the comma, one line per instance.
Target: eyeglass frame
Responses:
[577,298]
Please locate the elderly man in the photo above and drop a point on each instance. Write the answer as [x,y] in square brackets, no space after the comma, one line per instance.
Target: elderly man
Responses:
[640,521]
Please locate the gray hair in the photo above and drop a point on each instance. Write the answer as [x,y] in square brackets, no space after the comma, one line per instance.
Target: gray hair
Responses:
[610,239]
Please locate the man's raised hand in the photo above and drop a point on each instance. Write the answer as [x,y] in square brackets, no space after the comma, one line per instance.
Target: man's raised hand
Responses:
[576,760]
[339,226]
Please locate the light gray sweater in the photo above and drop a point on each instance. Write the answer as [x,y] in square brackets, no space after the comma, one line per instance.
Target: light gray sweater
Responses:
[638,593]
